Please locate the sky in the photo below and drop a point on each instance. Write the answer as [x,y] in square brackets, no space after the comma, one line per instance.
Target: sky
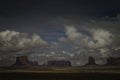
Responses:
[70,30]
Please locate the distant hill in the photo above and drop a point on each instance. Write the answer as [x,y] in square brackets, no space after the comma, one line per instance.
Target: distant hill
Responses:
[113,61]
[22,61]
[59,63]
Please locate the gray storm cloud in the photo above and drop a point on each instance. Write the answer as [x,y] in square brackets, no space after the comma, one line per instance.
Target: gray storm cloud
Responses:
[12,40]
[98,38]
[97,45]
[14,43]
[101,38]
[78,46]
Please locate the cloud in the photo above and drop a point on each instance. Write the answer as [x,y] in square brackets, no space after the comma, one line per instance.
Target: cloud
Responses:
[75,36]
[101,38]
[96,44]
[13,44]
[12,40]
[80,39]
[72,33]
[100,61]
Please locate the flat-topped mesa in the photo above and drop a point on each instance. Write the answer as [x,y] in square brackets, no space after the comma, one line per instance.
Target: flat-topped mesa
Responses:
[59,63]
[23,61]
[113,61]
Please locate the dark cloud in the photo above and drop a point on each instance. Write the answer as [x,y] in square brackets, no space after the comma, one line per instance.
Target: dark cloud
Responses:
[50,29]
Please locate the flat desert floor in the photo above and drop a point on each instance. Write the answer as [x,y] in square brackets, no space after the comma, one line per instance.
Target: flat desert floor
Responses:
[61,73]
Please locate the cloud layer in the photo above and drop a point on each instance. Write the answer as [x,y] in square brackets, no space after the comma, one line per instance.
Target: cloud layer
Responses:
[98,38]
[97,45]
[12,40]
[14,43]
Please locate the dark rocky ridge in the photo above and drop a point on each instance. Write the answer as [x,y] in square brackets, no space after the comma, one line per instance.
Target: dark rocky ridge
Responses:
[113,61]
[61,63]
[24,61]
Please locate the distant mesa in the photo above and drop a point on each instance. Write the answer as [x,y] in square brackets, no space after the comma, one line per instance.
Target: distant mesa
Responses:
[22,61]
[59,63]
[113,61]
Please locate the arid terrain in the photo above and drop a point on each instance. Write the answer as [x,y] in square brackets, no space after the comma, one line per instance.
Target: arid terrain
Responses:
[61,73]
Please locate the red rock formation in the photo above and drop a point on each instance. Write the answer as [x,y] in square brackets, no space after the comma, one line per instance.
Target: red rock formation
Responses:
[23,61]
[61,63]
[113,61]
[34,63]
